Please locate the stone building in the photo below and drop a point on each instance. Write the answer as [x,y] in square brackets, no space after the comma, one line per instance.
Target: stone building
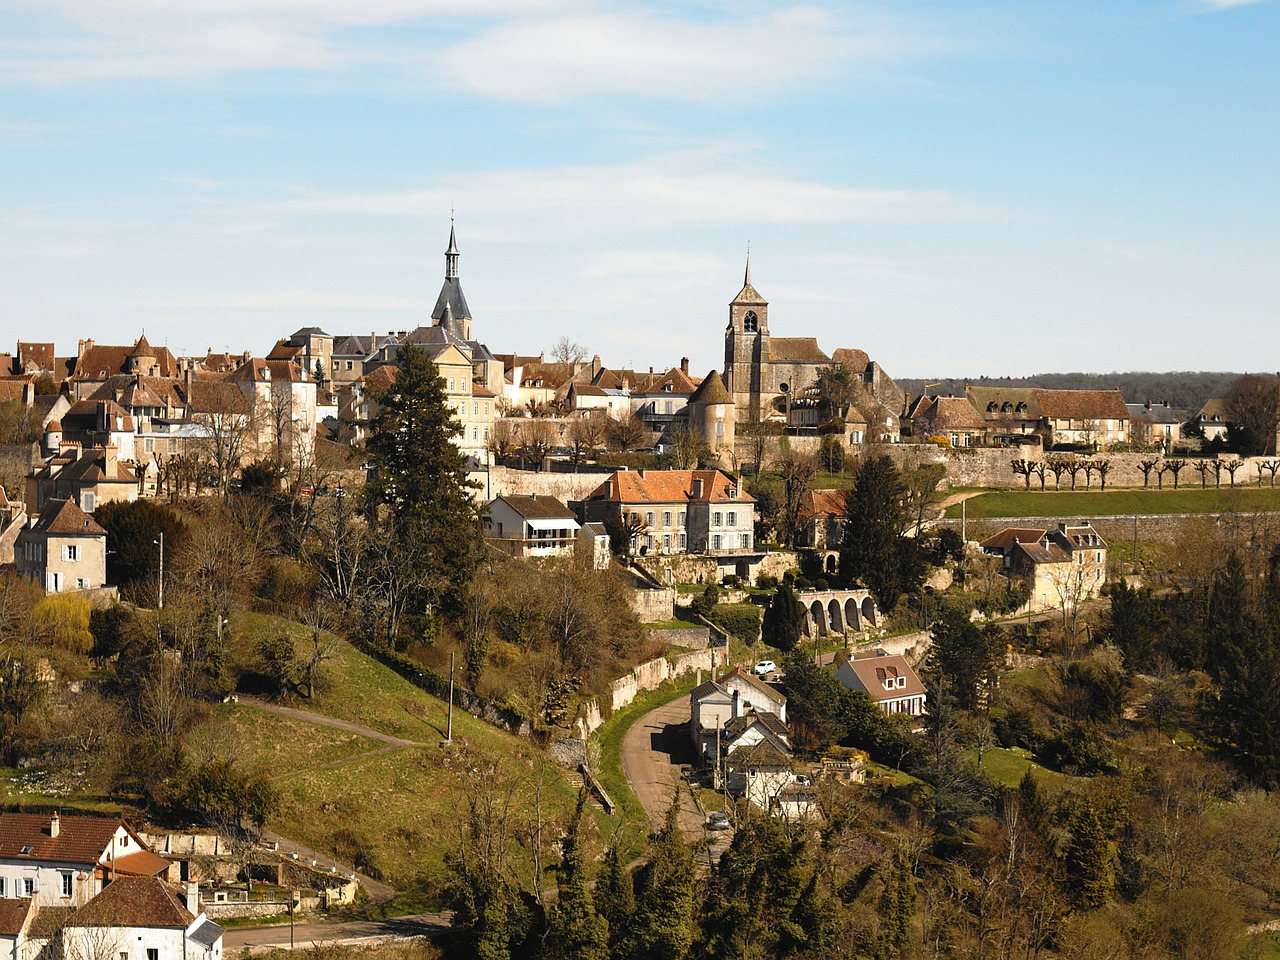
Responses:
[772,377]
[63,549]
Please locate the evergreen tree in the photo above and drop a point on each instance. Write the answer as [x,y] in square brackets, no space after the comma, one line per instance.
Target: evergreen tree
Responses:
[662,928]
[574,930]
[783,619]
[419,495]
[1086,862]
[874,551]
[897,910]
[1131,624]
[967,655]
[615,899]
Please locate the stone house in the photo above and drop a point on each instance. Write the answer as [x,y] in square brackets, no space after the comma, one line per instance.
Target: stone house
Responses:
[704,512]
[888,679]
[952,418]
[1156,423]
[1212,420]
[62,549]
[89,476]
[824,515]
[1066,564]
[716,703]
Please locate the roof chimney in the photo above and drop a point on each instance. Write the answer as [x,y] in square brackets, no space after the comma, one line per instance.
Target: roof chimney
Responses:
[193,898]
[55,824]
[697,488]
[684,365]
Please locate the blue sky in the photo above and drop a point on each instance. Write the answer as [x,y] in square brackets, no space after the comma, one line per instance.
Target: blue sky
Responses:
[957,188]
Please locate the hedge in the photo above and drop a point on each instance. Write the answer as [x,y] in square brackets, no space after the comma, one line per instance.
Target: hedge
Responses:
[742,620]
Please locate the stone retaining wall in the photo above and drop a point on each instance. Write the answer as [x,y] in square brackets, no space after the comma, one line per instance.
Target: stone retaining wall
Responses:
[1159,528]
[646,676]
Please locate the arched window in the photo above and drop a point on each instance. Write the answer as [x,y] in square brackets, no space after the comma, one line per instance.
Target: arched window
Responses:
[750,322]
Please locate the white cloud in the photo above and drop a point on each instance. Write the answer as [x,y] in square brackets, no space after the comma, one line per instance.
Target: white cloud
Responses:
[691,188]
[641,53]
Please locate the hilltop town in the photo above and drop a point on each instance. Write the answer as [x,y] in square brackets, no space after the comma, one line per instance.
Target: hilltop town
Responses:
[774,659]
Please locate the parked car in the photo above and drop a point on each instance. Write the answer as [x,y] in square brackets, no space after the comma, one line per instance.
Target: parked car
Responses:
[718,821]
[765,667]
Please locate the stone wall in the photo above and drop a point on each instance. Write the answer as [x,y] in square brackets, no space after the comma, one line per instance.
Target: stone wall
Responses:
[653,606]
[692,638]
[912,646]
[646,676]
[565,486]
[1159,528]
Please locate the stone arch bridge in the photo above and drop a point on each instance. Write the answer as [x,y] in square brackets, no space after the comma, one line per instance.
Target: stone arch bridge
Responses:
[838,611]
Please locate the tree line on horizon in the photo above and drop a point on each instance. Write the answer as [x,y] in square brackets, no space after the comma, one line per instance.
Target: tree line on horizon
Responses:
[1184,389]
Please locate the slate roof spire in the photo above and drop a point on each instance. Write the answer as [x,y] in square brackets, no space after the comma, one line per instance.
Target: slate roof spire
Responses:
[451,255]
[451,291]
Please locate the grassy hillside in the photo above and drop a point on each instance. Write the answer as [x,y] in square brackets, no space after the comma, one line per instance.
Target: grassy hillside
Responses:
[1110,503]
[392,810]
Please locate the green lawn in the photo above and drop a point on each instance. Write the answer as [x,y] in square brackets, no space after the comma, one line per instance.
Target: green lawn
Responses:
[1095,503]
[1008,767]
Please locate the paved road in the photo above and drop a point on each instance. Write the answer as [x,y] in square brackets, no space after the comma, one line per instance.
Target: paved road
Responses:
[263,939]
[652,751]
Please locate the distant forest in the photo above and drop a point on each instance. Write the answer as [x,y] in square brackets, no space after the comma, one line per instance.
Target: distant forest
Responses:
[1184,389]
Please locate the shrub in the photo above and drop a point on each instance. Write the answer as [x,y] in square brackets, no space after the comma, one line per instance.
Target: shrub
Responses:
[742,620]
[766,581]
[62,620]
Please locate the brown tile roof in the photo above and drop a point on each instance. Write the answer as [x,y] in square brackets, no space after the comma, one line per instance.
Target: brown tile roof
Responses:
[479,391]
[827,503]
[796,350]
[855,360]
[983,398]
[13,916]
[675,378]
[11,390]
[668,486]
[48,921]
[79,839]
[1007,537]
[952,413]
[98,362]
[39,355]
[215,396]
[135,902]
[1083,404]
[874,671]
[712,390]
[383,378]
[64,519]
[538,508]
[144,863]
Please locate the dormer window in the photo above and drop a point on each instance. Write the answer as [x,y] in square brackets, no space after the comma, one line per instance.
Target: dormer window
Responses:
[26,849]
[992,407]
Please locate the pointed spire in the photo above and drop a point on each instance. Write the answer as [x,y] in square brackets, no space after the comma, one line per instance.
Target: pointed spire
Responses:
[746,277]
[451,255]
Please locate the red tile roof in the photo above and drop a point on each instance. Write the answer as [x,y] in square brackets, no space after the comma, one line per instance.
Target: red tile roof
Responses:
[1083,404]
[669,486]
[874,671]
[13,916]
[79,839]
[827,503]
[65,518]
[144,863]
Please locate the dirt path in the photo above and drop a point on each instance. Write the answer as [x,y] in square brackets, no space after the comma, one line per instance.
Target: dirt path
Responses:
[652,752]
[955,498]
[319,718]
[289,848]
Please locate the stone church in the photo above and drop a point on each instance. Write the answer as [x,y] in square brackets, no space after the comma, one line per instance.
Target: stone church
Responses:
[775,378]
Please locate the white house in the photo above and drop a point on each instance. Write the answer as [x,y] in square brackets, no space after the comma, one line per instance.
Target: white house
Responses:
[66,861]
[888,679]
[531,526]
[715,704]
[141,918]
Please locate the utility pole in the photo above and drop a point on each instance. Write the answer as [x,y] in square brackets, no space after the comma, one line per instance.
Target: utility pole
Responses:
[964,521]
[160,598]
[448,737]
[1135,542]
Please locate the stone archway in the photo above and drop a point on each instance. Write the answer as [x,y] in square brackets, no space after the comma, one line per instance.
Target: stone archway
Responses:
[835,618]
[819,614]
[869,611]
[852,615]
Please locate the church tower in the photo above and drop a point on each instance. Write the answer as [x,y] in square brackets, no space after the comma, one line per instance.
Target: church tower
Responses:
[746,347]
[451,305]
